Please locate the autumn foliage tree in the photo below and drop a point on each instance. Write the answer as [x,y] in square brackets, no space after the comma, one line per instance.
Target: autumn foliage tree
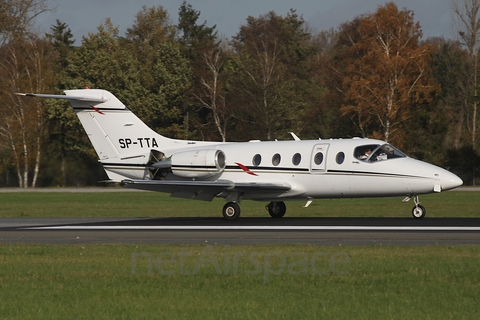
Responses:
[374,76]
[17,18]
[390,72]
[25,64]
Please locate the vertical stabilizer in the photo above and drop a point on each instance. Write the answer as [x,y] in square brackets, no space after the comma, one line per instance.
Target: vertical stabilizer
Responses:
[121,140]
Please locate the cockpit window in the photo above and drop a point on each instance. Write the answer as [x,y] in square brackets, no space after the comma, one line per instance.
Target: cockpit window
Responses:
[363,152]
[375,152]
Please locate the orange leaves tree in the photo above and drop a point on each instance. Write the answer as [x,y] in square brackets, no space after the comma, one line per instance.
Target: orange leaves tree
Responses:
[25,65]
[388,73]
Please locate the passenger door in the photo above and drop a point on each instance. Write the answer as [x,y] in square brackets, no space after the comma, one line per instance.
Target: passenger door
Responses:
[319,157]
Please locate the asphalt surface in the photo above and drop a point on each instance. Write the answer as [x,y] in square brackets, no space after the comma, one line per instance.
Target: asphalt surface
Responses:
[321,231]
[291,230]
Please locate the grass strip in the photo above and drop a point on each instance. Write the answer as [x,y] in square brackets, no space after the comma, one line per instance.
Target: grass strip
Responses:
[150,204]
[238,282]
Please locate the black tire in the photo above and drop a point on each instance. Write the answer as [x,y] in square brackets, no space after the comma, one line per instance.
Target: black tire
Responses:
[419,212]
[277,209]
[231,211]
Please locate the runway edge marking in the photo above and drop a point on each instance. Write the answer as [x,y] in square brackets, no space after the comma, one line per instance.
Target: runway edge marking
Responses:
[255,228]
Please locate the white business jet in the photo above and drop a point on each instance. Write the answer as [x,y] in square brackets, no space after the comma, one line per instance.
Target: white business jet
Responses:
[139,158]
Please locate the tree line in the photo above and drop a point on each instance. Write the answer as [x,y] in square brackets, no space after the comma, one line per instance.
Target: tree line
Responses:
[374,76]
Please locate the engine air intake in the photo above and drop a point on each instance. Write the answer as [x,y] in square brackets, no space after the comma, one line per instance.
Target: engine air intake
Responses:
[198,163]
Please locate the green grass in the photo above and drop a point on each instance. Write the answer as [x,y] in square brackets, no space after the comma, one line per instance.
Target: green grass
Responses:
[235,282]
[149,204]
[265,282]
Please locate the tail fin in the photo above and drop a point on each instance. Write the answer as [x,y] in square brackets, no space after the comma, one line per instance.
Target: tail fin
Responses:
[124,144]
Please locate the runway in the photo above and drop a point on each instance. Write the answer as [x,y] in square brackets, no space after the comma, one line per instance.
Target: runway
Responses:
[320,231]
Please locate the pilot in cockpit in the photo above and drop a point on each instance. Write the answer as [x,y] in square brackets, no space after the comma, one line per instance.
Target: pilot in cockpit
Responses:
[367,153]
[381,155]
[374,153]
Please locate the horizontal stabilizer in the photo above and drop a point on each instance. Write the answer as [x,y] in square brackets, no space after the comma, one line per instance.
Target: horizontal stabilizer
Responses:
[84,98]
[62,96]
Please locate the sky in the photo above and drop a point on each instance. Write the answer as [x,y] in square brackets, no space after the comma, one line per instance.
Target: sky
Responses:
[85,16]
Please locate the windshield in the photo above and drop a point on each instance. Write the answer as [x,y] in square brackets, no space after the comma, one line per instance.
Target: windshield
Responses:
[375,152]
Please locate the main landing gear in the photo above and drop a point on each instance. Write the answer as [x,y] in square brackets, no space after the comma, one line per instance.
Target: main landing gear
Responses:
[231,211]
[276,209]
[418,211]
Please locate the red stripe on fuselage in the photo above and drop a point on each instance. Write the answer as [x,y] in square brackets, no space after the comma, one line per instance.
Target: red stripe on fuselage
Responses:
[97,110]
[244,168]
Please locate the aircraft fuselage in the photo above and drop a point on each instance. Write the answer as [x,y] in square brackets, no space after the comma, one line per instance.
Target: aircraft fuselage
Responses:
[139,158]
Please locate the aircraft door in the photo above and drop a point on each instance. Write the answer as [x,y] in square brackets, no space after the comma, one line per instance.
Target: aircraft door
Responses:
[319,157]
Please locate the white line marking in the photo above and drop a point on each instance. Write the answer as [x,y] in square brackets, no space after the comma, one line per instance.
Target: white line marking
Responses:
[266,228]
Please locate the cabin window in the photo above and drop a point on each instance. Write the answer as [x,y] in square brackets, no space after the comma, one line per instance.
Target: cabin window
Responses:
[257,159]
[375,152]
[276,159]
[318,159]
[340,157]
[296,159]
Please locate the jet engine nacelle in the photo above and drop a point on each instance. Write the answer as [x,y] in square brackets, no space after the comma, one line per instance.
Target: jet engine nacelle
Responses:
[198,163]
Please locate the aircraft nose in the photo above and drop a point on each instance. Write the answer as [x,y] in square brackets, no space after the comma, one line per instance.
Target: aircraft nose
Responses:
[450,180]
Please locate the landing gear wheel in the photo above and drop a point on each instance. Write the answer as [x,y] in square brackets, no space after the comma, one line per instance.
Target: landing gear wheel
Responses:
[419,211]
[231,211]
[276,209]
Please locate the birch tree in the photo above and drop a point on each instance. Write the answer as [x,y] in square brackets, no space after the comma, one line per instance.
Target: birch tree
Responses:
[17,18]
[211,91]
[391,73]
[25,67]
[271,56]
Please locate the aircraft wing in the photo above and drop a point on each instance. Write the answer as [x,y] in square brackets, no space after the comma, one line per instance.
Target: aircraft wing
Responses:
[261,187]
[203,190]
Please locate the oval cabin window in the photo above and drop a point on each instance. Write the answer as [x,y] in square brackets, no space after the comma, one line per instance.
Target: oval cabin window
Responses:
[276,159]
[340,157]
[257,159]
[318,159]
[296,159]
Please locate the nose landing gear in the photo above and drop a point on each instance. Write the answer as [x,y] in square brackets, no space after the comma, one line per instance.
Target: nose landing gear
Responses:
[418,211]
